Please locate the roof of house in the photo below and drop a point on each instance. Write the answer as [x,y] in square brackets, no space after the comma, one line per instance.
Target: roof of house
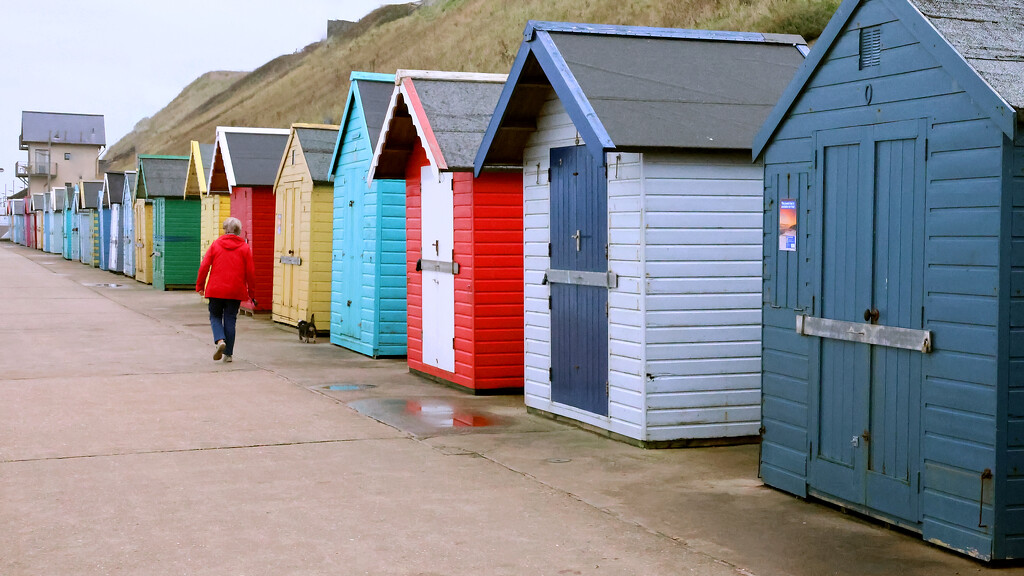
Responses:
[317,143]
[372,94]
[635,87]
[981,44]
[59,127]
[161,176]
[89,194]
[447,112]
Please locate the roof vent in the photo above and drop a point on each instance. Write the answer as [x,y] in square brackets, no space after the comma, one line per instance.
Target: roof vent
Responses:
[870,47]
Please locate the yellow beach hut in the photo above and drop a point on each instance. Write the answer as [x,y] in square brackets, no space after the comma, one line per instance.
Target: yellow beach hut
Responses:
[303,226]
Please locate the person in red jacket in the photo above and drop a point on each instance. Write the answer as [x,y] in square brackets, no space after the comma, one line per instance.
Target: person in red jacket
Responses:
[227,276]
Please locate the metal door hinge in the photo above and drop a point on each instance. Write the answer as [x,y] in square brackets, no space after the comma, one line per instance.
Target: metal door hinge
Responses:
[549,174]
[551,374]
[607,308]
[549,249]
[607,387]
[549,302]
[453,342]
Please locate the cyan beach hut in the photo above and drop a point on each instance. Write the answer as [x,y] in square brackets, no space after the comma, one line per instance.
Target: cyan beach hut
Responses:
[56,216]
[110,222]
[88,221]
[642,223]
[128,224]
[368,269]
[175,229]
[893,332]
[70,251]
[245,162]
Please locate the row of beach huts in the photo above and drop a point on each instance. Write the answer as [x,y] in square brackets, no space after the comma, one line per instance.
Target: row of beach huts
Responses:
[674,237]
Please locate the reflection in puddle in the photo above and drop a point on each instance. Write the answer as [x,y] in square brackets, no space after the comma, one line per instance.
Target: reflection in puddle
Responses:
[349,387]
[443,415]
[101,285]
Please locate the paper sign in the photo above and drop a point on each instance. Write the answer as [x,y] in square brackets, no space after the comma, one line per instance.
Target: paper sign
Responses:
[787,225]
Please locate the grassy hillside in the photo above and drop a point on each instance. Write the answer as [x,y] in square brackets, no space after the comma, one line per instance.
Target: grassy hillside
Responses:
[463,35]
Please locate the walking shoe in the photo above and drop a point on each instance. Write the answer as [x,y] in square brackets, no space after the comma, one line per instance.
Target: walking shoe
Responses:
[220,350]
[227,358]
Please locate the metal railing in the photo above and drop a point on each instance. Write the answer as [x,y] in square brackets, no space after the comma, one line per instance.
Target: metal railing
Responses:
[26,169]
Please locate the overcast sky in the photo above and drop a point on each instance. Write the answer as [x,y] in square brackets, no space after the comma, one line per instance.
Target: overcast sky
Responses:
[126,59]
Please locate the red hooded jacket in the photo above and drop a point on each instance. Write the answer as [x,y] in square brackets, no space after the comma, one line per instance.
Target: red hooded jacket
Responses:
[232,273]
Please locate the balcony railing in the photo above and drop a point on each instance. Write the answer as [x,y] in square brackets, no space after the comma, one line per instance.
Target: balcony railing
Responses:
[26,170]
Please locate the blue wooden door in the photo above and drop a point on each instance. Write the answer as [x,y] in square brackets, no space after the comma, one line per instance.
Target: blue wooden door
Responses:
[350,306]
[867,420]
[579,321]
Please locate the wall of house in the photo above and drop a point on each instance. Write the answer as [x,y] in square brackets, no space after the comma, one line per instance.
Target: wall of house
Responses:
[961,272]
[702,217]
[81,166]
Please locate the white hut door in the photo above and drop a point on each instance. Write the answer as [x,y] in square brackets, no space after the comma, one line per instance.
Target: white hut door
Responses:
[113,255]
[437,208]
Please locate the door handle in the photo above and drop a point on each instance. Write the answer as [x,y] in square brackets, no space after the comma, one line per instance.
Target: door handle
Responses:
[576,237]
[871,315]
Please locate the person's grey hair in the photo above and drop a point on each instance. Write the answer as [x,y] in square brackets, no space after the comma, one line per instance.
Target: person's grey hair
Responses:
[233,226]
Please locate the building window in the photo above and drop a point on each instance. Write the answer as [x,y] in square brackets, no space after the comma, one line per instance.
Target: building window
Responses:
[67,155]
[293,157]
[870,47]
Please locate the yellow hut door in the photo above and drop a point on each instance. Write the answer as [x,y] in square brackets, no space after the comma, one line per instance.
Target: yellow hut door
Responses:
[141,249]
[289,224]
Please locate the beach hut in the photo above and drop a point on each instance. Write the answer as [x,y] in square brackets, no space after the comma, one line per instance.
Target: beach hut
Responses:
[893,286]
[88,221]
[18,220]
[464,248]
[245,162]
[38,210]
[642,223]
[175,228]
[302,226]
[70,251]
[128,224]
[39,206]
[56,215]
[213,208]
[110,215]
[368,271]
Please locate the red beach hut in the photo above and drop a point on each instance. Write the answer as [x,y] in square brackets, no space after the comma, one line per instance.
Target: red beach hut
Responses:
[464,235]
[245,162]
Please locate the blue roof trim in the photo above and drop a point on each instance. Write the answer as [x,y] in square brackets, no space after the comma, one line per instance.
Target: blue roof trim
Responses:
[535,26]
[568,90]
[821,48]
[371,76]
[353,100]
[931,40]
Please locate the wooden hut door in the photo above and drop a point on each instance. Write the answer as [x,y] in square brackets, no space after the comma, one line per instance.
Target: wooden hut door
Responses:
[579,320]
[868,396]
[113,253]
[350,305]
[437,244]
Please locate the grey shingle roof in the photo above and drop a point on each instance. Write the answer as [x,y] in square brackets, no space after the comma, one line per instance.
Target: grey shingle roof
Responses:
[164,176]
[458,112]
[255,157]
[374,98]
[62,128]
[131,178]
[667,92]
[317,147]
[90,194]
[115,181]
[989,35]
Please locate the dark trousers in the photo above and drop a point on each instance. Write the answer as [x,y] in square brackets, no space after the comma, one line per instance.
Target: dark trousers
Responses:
[223,314]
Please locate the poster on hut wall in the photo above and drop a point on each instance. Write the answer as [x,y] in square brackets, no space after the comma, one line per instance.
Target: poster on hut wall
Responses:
[787,225]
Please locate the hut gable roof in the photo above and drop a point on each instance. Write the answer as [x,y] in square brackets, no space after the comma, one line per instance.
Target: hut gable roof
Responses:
[63,128]
[113,187]
[633,87]
[89,194]
[19,194]
[161,176]
[989,35]
[317,144]
[130,178]
[245,157]
[371,93]
[58,198]
[195,179]
[980,44]
[447,112]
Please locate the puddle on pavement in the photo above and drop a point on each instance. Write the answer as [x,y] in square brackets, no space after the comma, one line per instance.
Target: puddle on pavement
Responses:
[427,416]
[349,387]
[102,285]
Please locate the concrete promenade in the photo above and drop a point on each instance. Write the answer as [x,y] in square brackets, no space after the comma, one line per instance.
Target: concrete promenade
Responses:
[124,449]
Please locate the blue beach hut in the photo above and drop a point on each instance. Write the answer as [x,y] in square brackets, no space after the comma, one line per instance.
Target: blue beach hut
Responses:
[368,312]
[70,251]
[56,220]
[894,271]
[127,224]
